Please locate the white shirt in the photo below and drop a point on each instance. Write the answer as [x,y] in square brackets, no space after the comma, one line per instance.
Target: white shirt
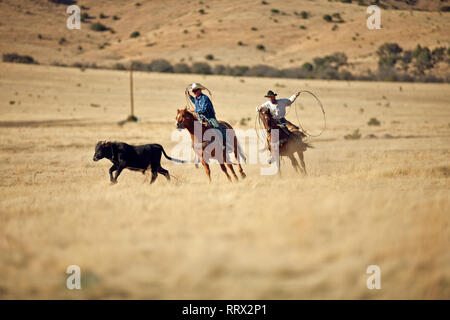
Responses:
[278,109]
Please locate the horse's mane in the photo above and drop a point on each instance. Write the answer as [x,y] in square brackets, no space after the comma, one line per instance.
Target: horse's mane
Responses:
[193,114]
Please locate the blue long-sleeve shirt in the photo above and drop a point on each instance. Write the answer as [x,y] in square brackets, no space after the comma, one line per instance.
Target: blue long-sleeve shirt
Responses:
[203,106]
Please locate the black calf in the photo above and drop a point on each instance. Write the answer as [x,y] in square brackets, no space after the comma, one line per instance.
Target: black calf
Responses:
[138,158]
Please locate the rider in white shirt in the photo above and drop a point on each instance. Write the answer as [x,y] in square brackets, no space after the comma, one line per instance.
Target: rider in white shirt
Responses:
[277,108]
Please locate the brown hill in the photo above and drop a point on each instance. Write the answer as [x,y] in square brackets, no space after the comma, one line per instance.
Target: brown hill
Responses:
[229,31]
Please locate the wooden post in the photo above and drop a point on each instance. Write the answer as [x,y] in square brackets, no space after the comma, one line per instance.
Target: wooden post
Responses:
[131,92]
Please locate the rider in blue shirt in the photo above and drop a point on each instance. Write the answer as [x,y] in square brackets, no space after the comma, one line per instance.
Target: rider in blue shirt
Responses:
[204,107]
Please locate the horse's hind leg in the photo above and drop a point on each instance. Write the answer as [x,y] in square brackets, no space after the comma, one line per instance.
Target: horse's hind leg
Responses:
[294,163]
[207,170]
[302,161]
[241,171]
[224,169]
[164,172]
[230,166]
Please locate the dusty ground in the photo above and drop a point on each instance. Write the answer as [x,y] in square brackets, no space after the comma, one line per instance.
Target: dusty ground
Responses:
[368,201]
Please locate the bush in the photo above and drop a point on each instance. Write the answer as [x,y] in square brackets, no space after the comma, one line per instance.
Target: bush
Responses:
[85,17]
[181,68]
[219,69]
[135,34]
[338,18]
[160,65]
[263,71]
[353,136]
[304,15]
[99,27]
[116,18]
[201,68]
[422,59]
[260,47]
[209,57]
[327,18]
[275,11]
[62,41]
[237,71]
[102,16]
[388,54]
[16,58]
[240,43]
[373,122]
[140,66]
[119,66]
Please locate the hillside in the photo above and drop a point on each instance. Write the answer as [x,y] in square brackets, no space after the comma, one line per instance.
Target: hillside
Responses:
[229,31]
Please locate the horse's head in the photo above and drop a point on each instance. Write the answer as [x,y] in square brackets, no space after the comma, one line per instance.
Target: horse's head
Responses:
[268,121]
[184,119]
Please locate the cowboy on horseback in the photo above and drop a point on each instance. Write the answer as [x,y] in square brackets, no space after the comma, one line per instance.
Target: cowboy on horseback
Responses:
[204,108]
[277,108]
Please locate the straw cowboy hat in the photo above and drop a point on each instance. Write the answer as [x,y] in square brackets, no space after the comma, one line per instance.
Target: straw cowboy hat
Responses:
[270,93]
[197,86]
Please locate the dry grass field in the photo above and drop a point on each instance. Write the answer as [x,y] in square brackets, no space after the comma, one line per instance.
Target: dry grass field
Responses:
[382,201]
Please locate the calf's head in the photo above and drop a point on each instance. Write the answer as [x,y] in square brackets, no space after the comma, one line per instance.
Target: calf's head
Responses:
[102,150]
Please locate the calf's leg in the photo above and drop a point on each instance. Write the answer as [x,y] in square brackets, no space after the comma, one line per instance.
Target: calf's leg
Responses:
[164,172]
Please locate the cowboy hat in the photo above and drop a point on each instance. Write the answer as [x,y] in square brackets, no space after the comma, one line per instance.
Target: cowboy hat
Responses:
[270,93]
[197,86]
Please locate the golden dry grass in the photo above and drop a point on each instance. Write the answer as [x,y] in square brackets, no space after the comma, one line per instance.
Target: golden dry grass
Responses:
[368,201]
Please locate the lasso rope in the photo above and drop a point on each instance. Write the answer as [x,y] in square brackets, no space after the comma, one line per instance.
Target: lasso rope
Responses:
[323,113]
[189,103]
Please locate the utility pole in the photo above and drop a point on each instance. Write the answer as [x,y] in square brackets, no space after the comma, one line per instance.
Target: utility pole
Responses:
[131,117]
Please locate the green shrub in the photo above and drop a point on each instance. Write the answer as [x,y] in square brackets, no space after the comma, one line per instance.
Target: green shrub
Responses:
[219,69]
[353,136]
[263,71]
[275,11]
[99,27]
[161,65]
[388,54]
[209,57]
[260,47]
[135,34]
[327,18]
[201,68]
[373,122]
[16,58]
[181,68]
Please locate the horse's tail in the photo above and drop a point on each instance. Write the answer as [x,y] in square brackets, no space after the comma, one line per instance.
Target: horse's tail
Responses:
[309,145]
[170,158]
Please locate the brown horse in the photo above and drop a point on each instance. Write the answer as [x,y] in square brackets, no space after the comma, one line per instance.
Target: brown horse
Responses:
[290,144]
[185,120]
